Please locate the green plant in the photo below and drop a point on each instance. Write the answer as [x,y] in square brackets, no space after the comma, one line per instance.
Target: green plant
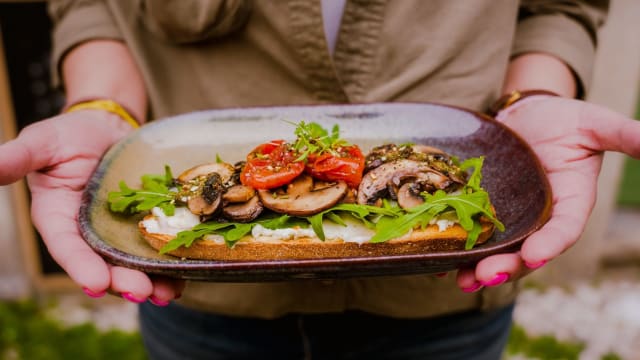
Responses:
[629,193]
[542,347]
[611,356]
[26,333]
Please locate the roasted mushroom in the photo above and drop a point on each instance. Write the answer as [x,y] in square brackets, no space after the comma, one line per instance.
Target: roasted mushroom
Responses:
[377,182]
[409,195]
[303,197]
[429,150]
[223,169]
[241,203]
[202,187]
[207,196]
[243,211]
[238,194]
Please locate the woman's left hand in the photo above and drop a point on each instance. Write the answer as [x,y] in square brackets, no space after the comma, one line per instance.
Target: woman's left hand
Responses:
[569,137]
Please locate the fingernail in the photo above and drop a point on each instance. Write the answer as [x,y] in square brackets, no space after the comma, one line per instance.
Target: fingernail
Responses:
[473,288]
[539,264]
[94,294]
[178,296]
[128,296]
[500,278]
[158,302]
[442,274]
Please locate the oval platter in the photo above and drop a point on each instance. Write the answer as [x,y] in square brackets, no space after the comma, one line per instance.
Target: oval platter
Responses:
[512,175]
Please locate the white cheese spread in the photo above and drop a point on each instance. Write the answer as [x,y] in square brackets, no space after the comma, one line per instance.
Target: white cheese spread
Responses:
[182,219]
[353,232]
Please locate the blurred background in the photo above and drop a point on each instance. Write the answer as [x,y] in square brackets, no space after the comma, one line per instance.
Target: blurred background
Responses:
[584,305]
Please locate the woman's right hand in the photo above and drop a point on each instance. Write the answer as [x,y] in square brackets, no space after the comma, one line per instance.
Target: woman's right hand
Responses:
[57,156]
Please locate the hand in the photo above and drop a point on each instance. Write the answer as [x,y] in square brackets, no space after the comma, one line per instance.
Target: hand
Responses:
[569,137]
[58,155]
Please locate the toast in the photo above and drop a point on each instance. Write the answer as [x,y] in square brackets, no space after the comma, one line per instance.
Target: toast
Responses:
[280,201]
[264,247]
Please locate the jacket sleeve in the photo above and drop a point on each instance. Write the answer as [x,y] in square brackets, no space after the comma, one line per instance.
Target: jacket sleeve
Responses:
[565,29]
[75,22]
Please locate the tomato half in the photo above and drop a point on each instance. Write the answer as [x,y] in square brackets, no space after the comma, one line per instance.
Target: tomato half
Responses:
[271,165]
[346,163]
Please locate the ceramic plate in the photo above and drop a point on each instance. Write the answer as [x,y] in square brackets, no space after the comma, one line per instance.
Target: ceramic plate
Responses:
[512,175]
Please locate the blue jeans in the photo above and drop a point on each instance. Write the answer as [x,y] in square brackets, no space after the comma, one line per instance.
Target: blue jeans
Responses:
[179,333]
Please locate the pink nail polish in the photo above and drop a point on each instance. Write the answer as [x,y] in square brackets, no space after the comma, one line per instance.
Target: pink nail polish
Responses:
[500,278]
[158,302]
[536,265]
[93,294]
[473,288]
[129,297]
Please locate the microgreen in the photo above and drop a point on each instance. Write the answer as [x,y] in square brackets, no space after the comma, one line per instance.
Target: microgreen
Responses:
[312,138]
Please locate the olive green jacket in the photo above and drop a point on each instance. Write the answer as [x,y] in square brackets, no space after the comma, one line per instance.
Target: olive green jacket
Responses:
[205,54]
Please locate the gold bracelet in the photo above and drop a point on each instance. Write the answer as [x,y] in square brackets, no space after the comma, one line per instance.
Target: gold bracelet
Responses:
[106,105]
[513,97]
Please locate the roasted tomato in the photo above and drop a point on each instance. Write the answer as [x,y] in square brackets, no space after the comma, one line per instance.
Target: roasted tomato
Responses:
[343,163]
[271,165]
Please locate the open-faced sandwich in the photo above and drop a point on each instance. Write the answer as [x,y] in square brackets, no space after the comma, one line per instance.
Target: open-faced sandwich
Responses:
[315,197]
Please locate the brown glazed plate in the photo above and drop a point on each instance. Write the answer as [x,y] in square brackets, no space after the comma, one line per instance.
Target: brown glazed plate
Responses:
[512,175]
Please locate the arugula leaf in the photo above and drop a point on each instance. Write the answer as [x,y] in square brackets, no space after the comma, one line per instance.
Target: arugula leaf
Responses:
[361,212]
[476,176]
[473,235]
[468,207]
[316,225]
[187,237]
[387,230]
[155,192]
[232,232]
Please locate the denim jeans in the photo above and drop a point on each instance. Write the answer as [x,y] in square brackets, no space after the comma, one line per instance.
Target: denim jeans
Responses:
[178,333]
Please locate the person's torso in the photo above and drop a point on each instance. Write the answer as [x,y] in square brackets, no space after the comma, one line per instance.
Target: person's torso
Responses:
[205,54]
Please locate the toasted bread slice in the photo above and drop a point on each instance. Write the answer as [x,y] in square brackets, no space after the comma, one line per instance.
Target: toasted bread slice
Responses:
[429,239]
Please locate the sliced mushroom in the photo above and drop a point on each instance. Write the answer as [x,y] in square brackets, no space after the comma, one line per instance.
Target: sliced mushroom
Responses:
[207,197]
[426,149]
[300,197]
[243,212]
[442,162]
[224,170]
[375,183]
[349,197]
[238,194]
[409,195]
